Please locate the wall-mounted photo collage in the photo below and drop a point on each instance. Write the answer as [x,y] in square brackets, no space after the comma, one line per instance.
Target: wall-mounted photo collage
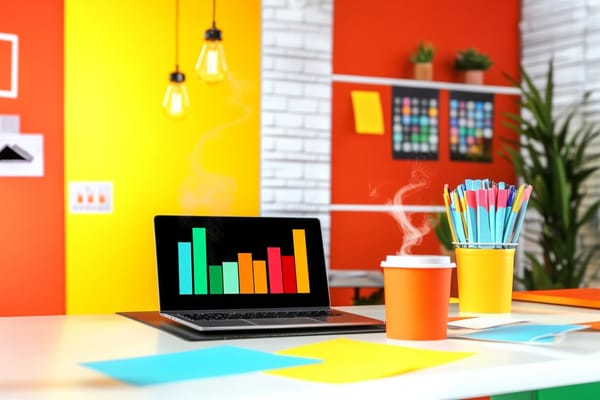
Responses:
[415,124]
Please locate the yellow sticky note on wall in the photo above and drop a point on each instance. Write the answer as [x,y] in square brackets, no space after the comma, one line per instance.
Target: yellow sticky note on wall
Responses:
[368,115]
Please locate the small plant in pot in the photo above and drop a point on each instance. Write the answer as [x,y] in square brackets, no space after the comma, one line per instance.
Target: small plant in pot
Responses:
[422,59]
[473,63]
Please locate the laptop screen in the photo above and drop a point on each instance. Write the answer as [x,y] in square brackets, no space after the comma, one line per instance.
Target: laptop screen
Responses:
[218,263]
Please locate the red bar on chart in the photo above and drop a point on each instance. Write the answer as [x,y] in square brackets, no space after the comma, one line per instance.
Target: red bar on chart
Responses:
[274,269]
[289,274]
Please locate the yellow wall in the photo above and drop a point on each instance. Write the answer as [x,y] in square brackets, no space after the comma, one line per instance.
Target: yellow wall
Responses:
[118,55]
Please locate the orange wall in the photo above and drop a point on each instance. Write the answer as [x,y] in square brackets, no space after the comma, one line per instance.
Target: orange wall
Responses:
[31,208]
[377,38]
[92,76]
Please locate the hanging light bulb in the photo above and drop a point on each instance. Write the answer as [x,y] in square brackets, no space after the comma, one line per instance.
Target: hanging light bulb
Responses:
[211,65]
[176,101]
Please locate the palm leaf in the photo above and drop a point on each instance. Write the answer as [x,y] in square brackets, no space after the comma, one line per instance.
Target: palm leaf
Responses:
[552,154]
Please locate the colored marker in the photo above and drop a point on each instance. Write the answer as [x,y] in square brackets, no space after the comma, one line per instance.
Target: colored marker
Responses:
[450,220]
[458,226]
[491,193]
[500,213]
[462,222]
[512,215]
[483,217]
[472,215]
[522,211]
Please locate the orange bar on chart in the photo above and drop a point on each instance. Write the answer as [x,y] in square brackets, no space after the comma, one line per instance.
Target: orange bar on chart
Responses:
[301,258]
[260,276]
[245,273]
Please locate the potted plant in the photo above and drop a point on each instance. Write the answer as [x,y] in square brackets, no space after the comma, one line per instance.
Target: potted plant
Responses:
[473,63]
[441,227]
[422,59]
[556,158]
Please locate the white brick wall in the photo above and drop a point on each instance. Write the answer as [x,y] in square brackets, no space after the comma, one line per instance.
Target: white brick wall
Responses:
[296,104]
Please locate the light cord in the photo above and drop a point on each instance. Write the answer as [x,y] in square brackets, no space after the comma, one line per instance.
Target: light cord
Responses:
[177,35]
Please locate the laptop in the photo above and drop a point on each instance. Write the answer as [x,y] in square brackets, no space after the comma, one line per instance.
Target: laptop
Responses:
[233,273]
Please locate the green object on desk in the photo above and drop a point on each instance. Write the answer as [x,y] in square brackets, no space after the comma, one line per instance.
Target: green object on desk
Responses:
[585,391]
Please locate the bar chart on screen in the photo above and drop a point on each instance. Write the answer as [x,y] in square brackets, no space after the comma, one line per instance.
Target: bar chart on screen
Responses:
[246,273]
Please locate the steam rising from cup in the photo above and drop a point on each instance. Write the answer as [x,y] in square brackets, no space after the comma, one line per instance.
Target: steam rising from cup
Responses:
[413,235]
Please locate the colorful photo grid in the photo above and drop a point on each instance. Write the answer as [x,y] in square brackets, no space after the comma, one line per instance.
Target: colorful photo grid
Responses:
[471,126]
[415,128]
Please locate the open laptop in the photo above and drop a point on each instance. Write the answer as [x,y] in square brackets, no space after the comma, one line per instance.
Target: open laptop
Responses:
[219,273]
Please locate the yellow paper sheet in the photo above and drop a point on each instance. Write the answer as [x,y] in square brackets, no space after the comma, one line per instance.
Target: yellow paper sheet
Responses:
[368,115]
[348,360]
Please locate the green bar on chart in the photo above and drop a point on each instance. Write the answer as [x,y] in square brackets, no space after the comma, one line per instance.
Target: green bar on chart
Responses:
[200,262]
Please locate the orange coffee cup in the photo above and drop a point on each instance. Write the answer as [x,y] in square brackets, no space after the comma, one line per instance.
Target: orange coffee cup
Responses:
[417,294]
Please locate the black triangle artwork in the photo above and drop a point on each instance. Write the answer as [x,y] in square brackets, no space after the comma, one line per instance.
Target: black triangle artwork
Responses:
[14,153]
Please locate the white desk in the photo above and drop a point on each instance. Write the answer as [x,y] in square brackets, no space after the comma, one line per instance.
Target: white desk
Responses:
[40,356]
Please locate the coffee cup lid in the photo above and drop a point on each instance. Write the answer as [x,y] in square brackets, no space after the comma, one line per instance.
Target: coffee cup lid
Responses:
[418,261]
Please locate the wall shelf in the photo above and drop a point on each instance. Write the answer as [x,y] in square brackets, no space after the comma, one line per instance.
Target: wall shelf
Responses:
[371,80]
[387,208]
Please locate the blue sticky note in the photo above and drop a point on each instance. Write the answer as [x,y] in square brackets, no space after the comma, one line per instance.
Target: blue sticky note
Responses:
[202,363]
[529,333]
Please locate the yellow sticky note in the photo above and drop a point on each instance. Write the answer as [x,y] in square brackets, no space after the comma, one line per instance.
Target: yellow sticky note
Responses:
[348,360]
[368,114]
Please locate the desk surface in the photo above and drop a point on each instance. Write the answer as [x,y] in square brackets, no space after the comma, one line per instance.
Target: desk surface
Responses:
[40,357]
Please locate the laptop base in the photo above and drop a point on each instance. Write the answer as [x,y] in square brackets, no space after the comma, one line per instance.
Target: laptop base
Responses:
[154,319]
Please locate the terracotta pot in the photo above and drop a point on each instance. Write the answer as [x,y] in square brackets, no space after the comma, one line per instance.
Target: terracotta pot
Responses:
[424,71]
[474,77]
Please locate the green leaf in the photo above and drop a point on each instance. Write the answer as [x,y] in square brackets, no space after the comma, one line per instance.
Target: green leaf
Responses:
[553,155]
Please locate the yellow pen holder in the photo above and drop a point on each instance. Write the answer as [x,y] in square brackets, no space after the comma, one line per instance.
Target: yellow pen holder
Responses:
[485,279]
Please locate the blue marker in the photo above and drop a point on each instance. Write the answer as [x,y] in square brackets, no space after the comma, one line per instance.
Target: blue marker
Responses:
[472,215]
[491,193]
[512,215]
[522,211]
[500,213]
[458,226]
[509,202]
[483,218]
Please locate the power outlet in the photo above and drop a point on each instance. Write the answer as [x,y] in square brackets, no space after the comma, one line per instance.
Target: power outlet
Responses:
[91,197]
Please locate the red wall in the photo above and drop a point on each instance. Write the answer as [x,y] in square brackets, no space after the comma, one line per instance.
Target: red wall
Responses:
[32,208]
[376,38]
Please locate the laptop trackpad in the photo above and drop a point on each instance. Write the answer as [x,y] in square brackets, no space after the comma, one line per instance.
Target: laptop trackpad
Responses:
[282,321]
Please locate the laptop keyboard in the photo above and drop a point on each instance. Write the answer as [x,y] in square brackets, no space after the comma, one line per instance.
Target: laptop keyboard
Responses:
[258,315]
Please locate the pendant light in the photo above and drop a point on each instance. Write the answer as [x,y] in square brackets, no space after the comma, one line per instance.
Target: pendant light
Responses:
[176,101]
[211,65]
